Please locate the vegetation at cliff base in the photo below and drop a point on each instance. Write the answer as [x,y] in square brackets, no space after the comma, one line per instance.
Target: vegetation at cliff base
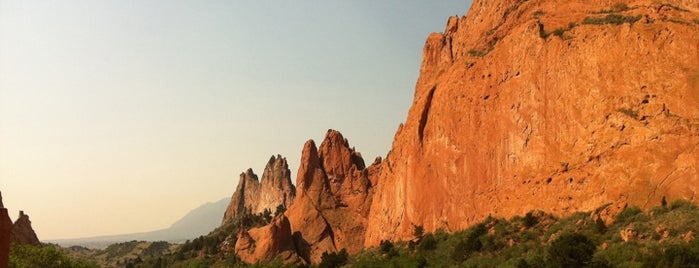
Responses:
[663,236]
[660,237]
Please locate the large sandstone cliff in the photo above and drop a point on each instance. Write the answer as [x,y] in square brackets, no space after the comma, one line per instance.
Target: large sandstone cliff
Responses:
[544,104]
[5,231]
[330,211]
[274,189]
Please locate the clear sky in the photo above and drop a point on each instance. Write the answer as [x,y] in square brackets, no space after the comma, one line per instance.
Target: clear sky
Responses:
[121,116]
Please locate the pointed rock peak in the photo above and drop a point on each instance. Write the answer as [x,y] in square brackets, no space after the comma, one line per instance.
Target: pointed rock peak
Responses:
[22,232]
[310,162]
[1,205]
[337,156]
[335,137]
[377,161]
[277,162]
[257,194]
[310,152]
[249,175]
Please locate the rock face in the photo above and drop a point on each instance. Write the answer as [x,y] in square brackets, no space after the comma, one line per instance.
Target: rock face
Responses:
[274,189]
[334,198]
[5,232]
[331,207]
[22,231]
[268,242]
[555,105]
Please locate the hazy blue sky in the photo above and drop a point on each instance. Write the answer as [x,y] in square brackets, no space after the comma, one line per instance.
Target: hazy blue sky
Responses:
[120,116]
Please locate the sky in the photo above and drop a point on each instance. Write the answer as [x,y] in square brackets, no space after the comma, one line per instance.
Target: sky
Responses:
[120,116]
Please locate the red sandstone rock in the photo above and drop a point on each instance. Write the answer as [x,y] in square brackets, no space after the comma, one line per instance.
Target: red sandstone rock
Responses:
[335,193]
[268,242]
[331,205]
[274,189]
[5,232]
[22,231]
[506,120]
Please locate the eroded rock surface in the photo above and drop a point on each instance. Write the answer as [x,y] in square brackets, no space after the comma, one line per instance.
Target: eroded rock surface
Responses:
[555,105]
[256,196]
[331,206]
[5,232]
[267,243]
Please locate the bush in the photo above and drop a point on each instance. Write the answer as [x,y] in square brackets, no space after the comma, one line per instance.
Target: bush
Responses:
[333,260]
[571,250]
[600,227]
[386,246]
[478,53]
[628,213]
[615,19]
[682,255]
[45,256]
[472,243]
[418,232]
[530,220]
[681,203]
[428,242]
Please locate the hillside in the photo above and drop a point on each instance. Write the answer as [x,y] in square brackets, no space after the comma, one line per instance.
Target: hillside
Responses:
[662,236]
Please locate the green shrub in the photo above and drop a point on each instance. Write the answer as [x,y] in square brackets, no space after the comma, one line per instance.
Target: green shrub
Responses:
[385,246]
[538,13]
[630,113]
[334,259]
[682,255]
[615,19]
[628,213]
[558,32]
[681,203]
[22,256]
[478,53]
[418,232]
[600,227]
[571,250]
[428,242]
[529,220]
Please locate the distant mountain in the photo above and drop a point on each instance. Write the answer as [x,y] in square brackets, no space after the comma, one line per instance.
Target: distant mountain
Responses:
[199,221]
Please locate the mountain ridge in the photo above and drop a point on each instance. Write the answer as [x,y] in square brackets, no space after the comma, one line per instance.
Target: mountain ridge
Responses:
[186,228]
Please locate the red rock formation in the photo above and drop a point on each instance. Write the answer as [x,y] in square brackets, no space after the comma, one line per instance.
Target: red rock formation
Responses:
[334,198]
[22,231]
[510,115]
[273,190]
[5,232]
[331,207]
[268,242]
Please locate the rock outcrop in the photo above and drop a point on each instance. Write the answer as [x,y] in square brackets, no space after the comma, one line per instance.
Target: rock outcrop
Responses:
[555,105]
[255,195]
[5,232]
[331,207]
[267,243]
[22,231]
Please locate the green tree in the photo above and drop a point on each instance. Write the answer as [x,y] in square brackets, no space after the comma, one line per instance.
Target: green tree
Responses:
[280,209]
[334,259]
[418,232]
[571,250]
